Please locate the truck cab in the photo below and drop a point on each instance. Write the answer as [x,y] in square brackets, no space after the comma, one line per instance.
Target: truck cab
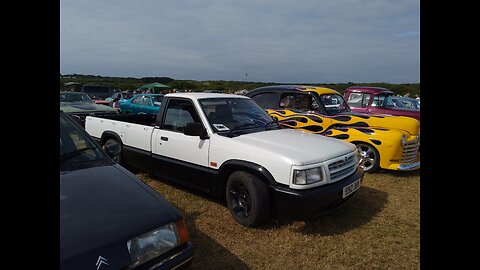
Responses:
[378,100]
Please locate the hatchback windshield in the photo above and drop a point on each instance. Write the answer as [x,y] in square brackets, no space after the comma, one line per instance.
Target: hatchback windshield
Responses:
[76,149]
[75,97]
[235,114]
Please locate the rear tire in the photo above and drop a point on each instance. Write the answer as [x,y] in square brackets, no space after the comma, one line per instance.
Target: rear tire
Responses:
[248,199]
[117,158]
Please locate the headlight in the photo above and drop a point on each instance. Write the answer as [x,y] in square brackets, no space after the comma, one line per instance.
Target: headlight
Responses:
[156,242]
[305,177]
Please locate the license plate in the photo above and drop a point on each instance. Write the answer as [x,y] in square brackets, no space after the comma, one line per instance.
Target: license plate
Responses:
[347,190]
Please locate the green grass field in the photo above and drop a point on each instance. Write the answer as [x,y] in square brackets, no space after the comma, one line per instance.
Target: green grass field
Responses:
[377,229]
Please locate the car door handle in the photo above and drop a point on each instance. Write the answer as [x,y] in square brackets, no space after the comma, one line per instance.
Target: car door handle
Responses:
[164,138]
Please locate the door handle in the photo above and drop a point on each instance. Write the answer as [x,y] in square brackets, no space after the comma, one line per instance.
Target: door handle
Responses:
[164,138]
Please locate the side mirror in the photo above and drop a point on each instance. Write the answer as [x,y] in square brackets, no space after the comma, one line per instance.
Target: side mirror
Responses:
[113,149]
[195,129]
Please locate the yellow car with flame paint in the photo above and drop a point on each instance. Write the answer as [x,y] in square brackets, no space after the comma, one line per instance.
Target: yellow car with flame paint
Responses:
[384,141]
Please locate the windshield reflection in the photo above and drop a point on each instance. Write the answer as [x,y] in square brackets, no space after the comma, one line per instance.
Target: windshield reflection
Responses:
[234,114]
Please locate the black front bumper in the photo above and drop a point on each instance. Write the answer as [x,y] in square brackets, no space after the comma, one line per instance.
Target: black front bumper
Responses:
[292,203]
[179,258]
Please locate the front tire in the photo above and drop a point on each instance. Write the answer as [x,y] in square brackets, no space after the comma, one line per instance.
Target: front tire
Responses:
[117,158]
[370,158]
[248,199]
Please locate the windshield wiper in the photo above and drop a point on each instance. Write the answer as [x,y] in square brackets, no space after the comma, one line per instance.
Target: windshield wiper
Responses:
[275,121]
[240,127]
[75,153]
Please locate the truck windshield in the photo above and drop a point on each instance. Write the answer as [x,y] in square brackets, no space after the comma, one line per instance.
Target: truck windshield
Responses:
[76,149]
[334,104]
[235,114]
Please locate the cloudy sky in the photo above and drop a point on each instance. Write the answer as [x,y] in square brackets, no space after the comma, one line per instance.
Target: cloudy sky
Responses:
[289,41]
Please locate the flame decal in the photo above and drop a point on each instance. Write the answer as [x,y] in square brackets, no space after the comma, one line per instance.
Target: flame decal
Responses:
[377,142]
[342,118]
[341,136]
[314,128]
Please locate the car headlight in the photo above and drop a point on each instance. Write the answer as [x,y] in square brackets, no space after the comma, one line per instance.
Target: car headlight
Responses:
[153,244]
[305,177]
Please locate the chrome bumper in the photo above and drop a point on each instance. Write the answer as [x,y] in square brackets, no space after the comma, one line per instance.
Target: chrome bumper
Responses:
[409,167]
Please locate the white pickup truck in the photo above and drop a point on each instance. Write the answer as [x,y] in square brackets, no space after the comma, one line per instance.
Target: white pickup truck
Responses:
[227,145]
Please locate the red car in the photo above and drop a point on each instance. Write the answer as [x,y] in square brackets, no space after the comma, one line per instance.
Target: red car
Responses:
[377,100]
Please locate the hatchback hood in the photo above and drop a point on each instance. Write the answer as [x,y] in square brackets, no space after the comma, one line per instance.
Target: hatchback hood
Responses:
[101,208]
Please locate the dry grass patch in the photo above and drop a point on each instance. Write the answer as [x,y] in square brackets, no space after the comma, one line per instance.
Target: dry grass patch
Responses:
[377,229]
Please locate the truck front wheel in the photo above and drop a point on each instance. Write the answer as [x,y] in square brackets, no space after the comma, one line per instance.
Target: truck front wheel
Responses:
[248,199]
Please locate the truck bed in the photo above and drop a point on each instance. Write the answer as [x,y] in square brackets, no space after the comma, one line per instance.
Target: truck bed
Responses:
[141,119]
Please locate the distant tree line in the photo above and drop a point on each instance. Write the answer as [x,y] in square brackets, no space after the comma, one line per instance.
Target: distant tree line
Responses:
[130,83]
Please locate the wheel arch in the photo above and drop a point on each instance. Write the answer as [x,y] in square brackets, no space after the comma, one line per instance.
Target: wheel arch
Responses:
[231,166]
[110,135]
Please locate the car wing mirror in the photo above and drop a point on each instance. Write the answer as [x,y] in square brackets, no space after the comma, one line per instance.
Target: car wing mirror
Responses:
[195,129]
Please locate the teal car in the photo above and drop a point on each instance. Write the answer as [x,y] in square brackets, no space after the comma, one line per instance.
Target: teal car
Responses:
[142,104]
[124,96]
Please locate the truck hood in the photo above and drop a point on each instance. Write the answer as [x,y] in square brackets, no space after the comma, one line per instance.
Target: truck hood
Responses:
[101,208]
[407,124]
[85,107]
[295,146]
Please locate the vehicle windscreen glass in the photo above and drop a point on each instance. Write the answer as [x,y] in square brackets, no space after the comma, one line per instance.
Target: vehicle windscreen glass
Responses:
[76,149]
[227,114]
[334,104]
[75,97]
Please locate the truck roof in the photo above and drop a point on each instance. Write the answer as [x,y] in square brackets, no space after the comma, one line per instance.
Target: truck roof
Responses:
[369,89]
[196,96]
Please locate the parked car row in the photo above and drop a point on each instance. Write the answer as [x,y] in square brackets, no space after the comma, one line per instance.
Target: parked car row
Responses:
[384,141]
[244,149]
[379,100]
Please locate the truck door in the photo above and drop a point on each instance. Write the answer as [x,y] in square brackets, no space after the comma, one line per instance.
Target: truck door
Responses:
[177,156]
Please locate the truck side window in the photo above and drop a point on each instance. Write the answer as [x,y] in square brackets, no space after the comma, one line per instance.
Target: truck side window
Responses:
[378,101]
[366,100]
[355,99]
[179,112]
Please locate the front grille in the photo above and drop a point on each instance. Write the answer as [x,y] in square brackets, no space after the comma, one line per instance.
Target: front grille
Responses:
[342,167]
[410,151]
